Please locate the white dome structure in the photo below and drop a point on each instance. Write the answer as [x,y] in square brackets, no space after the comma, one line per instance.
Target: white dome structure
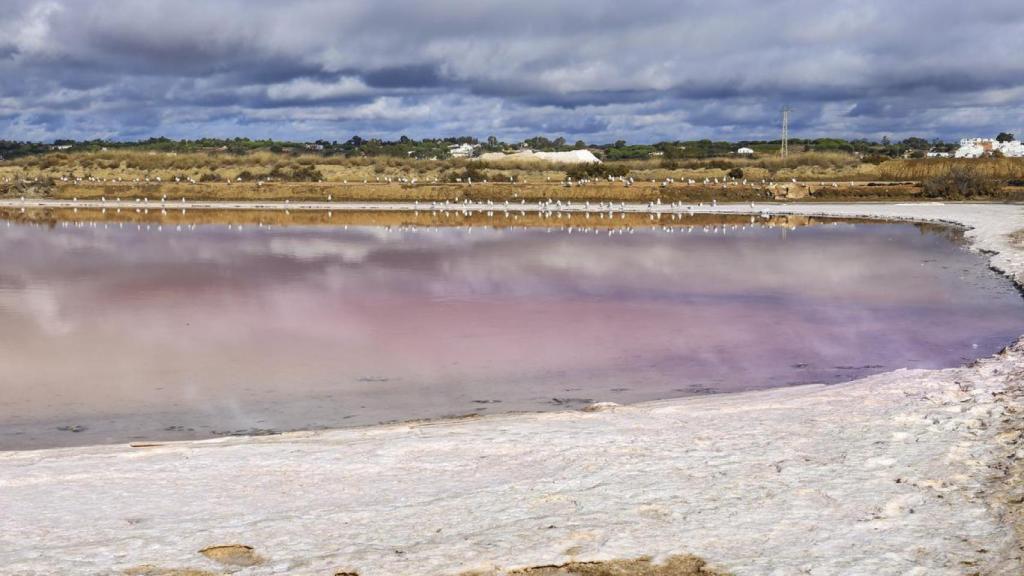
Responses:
[569,157]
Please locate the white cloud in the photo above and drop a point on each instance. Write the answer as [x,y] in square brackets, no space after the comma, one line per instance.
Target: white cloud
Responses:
[306,89]
[33,34]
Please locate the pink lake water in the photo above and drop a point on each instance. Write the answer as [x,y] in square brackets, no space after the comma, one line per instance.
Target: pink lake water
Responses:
[116,334]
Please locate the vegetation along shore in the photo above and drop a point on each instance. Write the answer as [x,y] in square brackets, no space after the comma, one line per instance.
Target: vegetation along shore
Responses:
[375,171]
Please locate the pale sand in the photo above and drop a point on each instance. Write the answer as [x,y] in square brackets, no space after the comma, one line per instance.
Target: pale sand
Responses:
[901,473]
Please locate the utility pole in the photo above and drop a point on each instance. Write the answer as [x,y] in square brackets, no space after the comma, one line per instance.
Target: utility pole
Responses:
[785,131]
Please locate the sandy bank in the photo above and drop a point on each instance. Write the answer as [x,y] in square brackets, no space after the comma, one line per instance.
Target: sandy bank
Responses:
[908,472]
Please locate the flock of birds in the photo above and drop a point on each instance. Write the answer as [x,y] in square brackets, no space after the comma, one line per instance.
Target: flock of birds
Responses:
[546,208]
[588,214]
[409,228]
[724,183]
[627,181]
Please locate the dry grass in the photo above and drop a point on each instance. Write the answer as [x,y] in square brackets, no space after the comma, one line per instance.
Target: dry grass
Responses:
[918,170]
[127,165]
[364,179]
[131,165]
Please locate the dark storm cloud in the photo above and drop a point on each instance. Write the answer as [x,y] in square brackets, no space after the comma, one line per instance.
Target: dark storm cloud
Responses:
[414,76]
[596,69]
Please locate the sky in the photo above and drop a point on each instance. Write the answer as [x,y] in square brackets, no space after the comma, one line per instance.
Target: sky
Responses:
[599,70]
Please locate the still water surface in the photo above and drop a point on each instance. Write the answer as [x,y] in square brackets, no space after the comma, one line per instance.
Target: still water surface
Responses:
[119,333]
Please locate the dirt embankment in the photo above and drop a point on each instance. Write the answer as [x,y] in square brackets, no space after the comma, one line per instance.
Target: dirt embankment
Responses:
[423,218]
[497,192]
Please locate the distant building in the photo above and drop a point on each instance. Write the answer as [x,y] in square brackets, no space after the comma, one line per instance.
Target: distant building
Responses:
[938,155]
[979,147]
[745,151]
[462,150]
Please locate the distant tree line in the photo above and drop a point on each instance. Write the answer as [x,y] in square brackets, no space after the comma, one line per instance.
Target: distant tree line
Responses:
[438,148]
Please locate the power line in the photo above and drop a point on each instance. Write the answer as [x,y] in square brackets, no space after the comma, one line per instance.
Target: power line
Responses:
[785,131]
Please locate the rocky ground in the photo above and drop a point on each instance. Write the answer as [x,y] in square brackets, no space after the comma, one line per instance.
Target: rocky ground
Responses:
[909,472]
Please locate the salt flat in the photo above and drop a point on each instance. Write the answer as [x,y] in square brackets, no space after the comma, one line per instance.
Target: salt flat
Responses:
[909,472]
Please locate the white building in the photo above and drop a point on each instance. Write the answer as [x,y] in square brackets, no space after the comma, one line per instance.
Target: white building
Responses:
[978,147]
[462,150]
[745,151]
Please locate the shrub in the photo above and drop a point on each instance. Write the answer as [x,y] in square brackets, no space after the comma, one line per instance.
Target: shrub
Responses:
[595,170]
[961,181]
[210,177]
[736,173]
[306,173]
[501,177]
[875,159]
[296,173]
[469,172]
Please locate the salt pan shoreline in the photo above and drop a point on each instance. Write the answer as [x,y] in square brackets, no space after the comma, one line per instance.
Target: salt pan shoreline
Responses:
[908,472]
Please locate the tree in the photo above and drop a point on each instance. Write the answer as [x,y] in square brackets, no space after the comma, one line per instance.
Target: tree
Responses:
[580,144]
[559,142]
[492,141]
[538,143]
[915,143]
[1005,137]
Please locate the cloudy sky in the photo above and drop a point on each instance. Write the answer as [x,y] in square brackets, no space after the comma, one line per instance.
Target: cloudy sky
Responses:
[600,70]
